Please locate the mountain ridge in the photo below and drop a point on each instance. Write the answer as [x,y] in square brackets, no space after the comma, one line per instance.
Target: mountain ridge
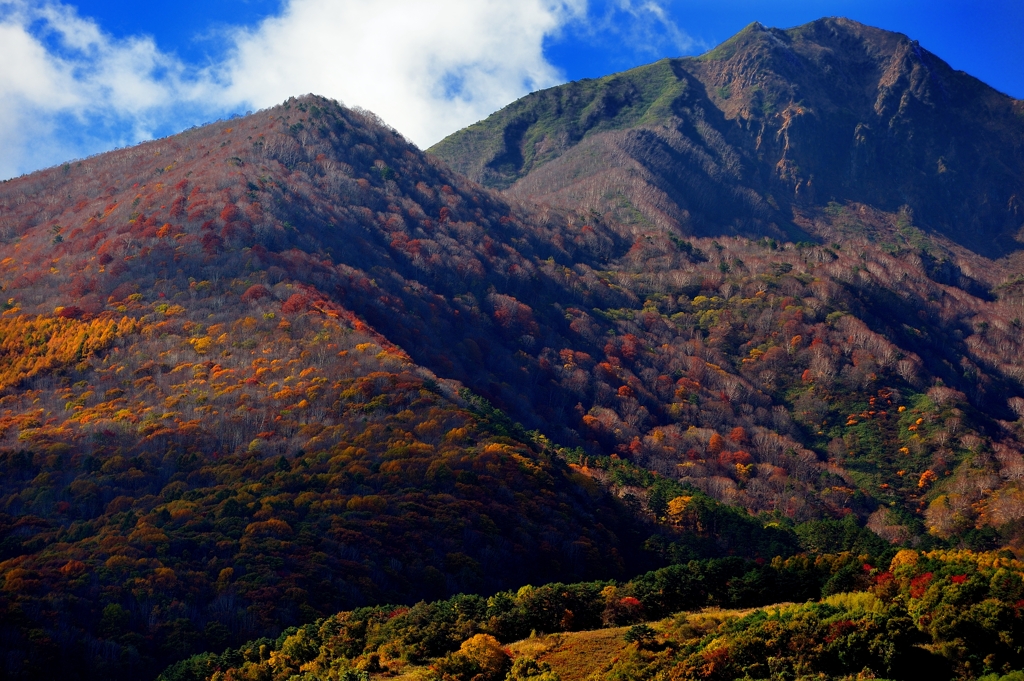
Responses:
[746,94]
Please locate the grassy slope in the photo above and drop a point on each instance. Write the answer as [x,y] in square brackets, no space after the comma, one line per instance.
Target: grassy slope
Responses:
[541,126]
[575,655]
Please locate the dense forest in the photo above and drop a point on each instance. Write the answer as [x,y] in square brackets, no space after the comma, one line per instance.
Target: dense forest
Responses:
[289,365]
[939,614]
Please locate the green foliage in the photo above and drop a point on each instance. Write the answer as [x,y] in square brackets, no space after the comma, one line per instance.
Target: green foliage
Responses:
[938,614]
[836,536]
[512,140]
[640,634]
[928,616]
[528,669]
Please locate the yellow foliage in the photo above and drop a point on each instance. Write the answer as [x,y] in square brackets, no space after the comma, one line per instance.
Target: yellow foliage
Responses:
[201,345]
[164,577]
[245,324]
[273,527]
[485,650]
[456,434]
[119,563]
[857,602]
[677,509]
[30,346]
[904,557]
[371,503]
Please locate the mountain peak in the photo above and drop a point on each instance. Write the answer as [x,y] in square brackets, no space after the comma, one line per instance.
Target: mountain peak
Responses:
[769,120]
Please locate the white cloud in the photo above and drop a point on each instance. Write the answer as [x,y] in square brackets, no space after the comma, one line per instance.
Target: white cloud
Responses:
[67,88]
[29,81]
[426,67]
[643,24]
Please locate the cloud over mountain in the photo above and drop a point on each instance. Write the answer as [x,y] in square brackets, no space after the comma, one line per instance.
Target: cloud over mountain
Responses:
[426,68]
[67,87]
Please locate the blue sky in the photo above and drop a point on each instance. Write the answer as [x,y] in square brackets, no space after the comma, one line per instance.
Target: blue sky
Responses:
[77,78]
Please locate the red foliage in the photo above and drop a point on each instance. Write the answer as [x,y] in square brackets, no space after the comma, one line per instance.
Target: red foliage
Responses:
[178,207]
[211,242]
[839,629]
[630,347]
[716,443]
[919,584]
[255,292]
[295,304]
[71,312]
[230,213]
[738,435]
[742,457]
[123,291]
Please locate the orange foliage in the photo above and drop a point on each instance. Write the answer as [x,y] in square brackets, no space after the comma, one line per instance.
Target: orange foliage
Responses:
[30,346]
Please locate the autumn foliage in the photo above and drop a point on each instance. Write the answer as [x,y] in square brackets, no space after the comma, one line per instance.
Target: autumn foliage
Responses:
[288,364]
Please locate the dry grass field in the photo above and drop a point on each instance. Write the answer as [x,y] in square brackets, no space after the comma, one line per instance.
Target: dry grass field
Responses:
[575,656]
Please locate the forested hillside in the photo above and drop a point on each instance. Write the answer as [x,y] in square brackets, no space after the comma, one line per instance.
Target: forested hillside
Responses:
[200,445]
[941,614]
[288,365]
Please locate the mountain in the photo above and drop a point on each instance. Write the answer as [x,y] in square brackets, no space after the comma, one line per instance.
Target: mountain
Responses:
[203,440]
[201,445]
[806,261]
[288,364]
[771,121]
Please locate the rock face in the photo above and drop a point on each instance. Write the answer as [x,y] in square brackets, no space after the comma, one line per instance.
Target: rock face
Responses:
[731,141]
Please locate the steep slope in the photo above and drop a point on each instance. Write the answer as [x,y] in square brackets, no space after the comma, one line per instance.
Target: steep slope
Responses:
[849,369]
[200,445]
[731,141]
